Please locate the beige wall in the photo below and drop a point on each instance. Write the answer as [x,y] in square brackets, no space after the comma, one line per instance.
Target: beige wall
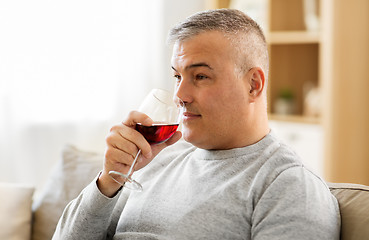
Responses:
[347,91]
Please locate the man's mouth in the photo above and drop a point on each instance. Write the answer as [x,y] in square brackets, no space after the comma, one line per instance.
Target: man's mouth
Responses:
[187,116]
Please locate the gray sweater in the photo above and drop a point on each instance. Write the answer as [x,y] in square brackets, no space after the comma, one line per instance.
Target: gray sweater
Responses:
[260,191]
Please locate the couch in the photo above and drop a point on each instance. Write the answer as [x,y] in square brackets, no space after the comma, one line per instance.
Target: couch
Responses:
[23,216]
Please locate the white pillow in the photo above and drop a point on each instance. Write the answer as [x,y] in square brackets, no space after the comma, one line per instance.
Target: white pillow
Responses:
[73,173]
[15,211]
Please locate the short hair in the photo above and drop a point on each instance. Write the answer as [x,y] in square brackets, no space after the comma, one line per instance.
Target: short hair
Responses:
[244,33]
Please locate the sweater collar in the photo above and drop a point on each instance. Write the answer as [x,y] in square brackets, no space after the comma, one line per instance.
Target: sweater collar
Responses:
[235,152]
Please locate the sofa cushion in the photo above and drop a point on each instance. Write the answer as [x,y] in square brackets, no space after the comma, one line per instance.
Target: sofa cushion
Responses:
[15,211]
[354,207]
[72,173]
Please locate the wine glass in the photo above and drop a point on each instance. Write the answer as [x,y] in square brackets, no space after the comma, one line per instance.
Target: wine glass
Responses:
[160,107]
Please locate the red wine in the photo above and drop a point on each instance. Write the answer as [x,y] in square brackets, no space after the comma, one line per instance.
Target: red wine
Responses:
[157,133]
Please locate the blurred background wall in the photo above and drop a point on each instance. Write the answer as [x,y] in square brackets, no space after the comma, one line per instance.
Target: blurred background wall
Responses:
[69,70]
[346,122]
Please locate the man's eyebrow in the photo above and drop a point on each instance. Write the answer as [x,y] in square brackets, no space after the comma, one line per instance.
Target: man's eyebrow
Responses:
[201,64]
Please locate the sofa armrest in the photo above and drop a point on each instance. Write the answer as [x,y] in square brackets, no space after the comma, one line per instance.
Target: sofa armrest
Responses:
[15,210]
[353,200]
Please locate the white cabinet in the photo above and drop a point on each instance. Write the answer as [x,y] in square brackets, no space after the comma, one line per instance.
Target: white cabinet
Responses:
[306,139]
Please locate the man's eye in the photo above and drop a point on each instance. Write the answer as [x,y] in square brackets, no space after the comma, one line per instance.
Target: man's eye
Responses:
[201,77]
[177,77]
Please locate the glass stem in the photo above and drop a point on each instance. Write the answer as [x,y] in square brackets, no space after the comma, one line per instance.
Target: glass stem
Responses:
[133,164]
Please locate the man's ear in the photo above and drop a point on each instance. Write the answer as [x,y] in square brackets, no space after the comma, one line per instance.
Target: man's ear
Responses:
[256,81]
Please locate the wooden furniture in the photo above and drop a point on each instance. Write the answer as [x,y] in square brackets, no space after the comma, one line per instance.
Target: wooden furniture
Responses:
[346,90]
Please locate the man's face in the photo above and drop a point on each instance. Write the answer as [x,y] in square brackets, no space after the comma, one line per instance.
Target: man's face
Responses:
[213,90]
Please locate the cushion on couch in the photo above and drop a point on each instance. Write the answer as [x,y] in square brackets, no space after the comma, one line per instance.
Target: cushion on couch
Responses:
[15,211]
[72,173]
[354,207]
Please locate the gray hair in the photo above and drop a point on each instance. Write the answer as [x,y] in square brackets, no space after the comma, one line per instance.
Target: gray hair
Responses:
[243,32]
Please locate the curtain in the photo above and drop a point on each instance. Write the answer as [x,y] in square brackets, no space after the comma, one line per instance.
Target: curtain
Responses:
[68,70]
[71,69]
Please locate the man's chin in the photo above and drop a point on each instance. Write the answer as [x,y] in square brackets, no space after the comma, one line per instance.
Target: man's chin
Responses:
[195,139]
[189,135]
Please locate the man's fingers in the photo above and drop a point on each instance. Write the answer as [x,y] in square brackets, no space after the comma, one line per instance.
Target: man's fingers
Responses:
[135,117]
[125,138]
[138,139]
[129,140]
[115,141]
[118,160]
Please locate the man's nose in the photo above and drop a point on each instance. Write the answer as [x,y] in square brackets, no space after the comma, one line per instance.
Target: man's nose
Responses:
[183,92]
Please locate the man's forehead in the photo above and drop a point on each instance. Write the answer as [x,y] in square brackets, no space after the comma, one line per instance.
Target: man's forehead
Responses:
[189,61]
[196,53]
[184,55]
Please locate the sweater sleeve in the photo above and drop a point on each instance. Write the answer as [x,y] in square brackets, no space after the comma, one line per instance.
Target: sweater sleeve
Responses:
[90,216]
[296,205]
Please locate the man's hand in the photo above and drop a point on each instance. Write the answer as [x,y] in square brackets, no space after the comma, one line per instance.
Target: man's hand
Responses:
[123,144]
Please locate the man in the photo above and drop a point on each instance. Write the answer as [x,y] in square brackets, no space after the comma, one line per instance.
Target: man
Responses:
[231,178]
